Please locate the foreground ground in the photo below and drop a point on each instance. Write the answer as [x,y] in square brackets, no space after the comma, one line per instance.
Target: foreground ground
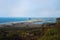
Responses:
[37,33]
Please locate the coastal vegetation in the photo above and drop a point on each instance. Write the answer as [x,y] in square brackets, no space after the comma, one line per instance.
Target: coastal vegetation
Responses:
[46,32]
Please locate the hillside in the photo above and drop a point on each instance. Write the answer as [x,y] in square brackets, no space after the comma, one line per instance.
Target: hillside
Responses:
[38,33]
[52,34]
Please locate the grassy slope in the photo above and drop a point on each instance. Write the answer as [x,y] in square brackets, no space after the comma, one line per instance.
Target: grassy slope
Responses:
[52,34]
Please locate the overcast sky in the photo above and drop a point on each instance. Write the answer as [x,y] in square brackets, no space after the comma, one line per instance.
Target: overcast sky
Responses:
[29,8]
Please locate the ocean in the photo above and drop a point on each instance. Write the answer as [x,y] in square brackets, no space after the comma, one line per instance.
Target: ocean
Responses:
[8,20]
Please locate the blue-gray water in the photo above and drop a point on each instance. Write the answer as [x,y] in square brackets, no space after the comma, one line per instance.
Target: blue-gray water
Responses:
[7,20]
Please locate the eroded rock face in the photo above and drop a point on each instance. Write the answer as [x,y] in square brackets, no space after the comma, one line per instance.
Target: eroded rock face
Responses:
[58,22]
[58,25]
[49,25]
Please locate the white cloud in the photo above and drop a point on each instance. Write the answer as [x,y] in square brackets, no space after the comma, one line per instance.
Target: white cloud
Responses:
[34,8]
[20,9]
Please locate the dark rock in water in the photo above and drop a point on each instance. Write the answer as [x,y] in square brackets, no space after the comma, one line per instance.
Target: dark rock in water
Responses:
[29,18]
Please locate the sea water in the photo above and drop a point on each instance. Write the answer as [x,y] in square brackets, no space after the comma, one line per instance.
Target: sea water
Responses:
[8,20]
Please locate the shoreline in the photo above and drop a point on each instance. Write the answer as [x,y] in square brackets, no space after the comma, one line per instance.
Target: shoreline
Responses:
[28,23]
[20,23]
[23,21]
